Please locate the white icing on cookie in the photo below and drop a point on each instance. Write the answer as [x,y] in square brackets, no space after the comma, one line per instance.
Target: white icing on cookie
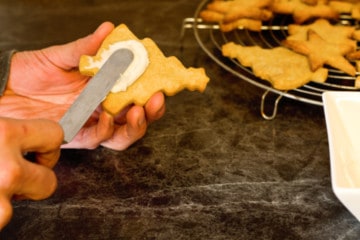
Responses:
[135,69]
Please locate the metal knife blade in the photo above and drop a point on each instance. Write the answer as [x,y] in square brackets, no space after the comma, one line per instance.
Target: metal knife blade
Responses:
[95,92]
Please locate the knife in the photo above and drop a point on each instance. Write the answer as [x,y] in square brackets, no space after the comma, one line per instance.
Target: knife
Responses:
[95,92]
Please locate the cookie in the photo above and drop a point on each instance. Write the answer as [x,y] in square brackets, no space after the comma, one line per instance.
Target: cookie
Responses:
[310,2]
[244,23]
[344,34]
[355,11]
[321,52]
[303,12]
[211,16]
[237,9]
[166,74]
[281,74]
[341,6]
[236,14]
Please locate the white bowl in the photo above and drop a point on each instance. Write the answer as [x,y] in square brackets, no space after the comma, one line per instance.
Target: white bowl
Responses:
[342,114]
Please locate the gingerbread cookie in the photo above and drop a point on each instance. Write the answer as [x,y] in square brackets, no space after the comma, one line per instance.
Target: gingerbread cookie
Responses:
[302,11]
[320,52]
[280,73]
[238,9]
[344,34]
[235,14]
[166,74]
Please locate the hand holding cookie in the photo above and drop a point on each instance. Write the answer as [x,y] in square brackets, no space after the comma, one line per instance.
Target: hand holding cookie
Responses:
[56,83]
[162,74]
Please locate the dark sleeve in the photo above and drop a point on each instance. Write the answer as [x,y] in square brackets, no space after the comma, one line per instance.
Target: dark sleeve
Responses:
[5,60]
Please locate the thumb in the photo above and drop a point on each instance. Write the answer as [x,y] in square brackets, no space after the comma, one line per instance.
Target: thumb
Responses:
[68,55]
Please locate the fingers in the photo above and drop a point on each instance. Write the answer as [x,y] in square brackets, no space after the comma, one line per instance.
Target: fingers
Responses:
[154,109]
[130,125]
[43,137]
[36,182]
[126,134]
[92,135]
[45,140]
[18,176]
[48,159]
[24,180]
[110,135]
[136,121]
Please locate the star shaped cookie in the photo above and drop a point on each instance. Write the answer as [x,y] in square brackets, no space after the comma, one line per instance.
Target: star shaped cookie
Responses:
[321,52]
[344,34]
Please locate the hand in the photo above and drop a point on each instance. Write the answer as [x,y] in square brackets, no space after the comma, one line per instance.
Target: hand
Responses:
[44,83]
[20,178]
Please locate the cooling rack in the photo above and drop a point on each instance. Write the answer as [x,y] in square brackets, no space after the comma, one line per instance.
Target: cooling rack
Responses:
[210,39]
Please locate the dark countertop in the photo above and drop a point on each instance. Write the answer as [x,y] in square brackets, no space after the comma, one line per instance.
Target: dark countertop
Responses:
[211,168]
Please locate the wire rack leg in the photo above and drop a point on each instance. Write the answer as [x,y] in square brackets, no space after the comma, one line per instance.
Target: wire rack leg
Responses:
[275,108]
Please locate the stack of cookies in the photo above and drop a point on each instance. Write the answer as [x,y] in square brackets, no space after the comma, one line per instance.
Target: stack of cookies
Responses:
[315,40]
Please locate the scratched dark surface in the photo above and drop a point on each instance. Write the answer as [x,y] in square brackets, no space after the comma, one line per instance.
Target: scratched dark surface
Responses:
[211,168]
